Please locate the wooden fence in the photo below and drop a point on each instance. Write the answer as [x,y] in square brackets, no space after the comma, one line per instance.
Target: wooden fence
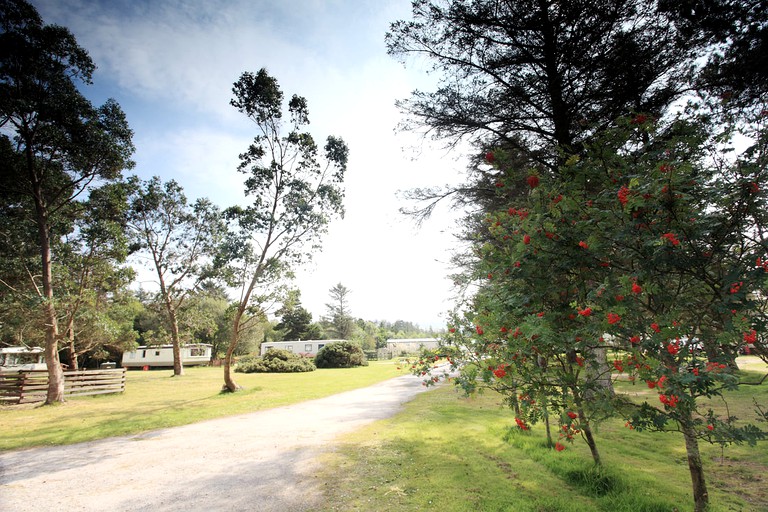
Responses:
[26,386]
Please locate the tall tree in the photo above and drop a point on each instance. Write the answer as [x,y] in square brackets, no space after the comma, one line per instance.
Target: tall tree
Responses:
[295,191]
[58,145]
[342,323]
[92,277]
[181,241]
[296,321]
[554,257]
[538,76]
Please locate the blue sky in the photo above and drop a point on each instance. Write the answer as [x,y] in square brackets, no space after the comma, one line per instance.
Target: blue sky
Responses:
[171,64]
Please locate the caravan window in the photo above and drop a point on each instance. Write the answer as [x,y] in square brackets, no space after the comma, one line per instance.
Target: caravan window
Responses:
[308,347]
[157,352]
[196,351]
[289,348]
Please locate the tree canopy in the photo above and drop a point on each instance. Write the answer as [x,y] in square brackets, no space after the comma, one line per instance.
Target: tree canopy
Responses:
[56,145]
[539,76]
[181,242]
[609,210]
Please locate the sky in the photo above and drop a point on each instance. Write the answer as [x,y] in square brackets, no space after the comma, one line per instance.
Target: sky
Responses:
[171,64]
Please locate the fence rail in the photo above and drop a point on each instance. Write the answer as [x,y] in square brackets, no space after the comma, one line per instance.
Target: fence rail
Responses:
[26,386]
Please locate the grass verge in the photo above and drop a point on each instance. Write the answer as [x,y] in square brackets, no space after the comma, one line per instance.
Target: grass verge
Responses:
[155,399]
[449,453]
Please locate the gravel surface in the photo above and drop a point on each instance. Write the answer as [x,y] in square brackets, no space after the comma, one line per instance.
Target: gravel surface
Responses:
[263,461]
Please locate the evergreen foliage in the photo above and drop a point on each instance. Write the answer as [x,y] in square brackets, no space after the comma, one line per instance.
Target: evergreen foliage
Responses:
[56,148]
[340,354]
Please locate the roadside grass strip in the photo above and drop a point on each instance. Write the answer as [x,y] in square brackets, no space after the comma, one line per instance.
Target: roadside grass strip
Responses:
[450,453]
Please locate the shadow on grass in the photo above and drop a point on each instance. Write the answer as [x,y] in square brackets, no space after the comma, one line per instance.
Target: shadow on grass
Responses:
[612,488]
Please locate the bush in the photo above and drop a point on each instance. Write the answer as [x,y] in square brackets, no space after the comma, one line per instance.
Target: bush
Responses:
[275,361]
[340,354]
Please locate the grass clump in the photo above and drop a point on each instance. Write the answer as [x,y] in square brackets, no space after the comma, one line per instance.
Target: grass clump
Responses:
[582,474]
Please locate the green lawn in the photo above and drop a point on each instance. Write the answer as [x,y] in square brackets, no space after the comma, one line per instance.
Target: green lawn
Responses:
[443,452]
[449,453]
[155,399]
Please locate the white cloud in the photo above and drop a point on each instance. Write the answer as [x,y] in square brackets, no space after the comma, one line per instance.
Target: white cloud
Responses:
[172,64]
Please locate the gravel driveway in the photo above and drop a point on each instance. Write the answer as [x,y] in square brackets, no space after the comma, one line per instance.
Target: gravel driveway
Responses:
[262,461]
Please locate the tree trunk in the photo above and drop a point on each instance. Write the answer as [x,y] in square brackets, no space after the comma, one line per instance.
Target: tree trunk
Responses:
[55,374]
[178,364]
[700,494]
[178,367]
[515,401]
[600,376]
[550,444]
[590,439]
[71,349]
[560,115]
[585,428]
[229,383]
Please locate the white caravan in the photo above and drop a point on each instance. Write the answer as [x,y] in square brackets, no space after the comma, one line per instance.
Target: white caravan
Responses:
[411,345]
[22,358]
[162,356]
[305,348]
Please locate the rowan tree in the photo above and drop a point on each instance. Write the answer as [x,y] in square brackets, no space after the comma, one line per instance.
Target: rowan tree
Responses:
[650,247]
[683,235]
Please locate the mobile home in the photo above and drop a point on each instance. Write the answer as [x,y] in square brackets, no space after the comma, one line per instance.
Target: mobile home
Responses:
[162,356]
[411,345]
[22,358]
[306,347]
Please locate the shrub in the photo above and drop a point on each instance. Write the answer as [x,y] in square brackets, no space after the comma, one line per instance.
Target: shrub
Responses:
[275,361]
[340,354]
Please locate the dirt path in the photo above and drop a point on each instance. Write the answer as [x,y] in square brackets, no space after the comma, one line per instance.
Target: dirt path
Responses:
[261,461]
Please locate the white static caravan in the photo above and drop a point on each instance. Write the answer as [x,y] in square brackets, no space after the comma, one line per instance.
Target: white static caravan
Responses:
[162,356]
[22,358]
[305,348]
[411,345]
